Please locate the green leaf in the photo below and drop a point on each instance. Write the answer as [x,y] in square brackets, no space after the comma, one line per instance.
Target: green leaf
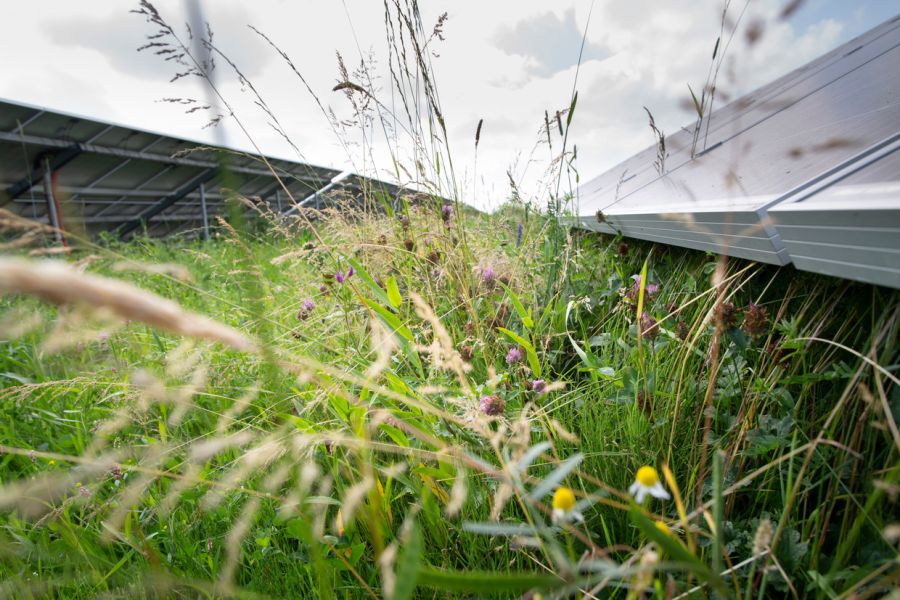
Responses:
[572,110]
[697,106]
[370,283]
[393,292]
[408,566]
[500,529]
[555,478]
[531,455]
[527,321]
[400,329]
[675,550]
[485,581]
[390,319]
[530,354]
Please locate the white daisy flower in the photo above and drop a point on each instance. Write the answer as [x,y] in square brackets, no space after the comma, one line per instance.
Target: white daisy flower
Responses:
[564,506]
[646,481]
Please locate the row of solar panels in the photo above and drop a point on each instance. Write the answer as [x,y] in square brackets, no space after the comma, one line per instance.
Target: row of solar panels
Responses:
[803,171]
[103,176]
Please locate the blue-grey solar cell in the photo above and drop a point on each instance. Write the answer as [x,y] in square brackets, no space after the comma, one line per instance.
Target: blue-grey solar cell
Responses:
[799,149]
[115,177]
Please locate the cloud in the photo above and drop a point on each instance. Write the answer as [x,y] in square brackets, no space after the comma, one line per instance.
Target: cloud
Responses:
[549,43]
[118,35]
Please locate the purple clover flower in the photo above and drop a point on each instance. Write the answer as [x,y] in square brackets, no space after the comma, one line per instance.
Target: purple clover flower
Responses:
[309,305]
[513,356]
[538,386]
[492,405]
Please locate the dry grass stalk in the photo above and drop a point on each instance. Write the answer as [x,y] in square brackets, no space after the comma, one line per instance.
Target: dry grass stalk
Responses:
[59,284]
[177,271]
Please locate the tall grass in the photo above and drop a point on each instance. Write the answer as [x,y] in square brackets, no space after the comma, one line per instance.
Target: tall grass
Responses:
[396,402]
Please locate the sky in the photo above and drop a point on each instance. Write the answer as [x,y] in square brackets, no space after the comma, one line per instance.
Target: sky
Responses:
[503,61]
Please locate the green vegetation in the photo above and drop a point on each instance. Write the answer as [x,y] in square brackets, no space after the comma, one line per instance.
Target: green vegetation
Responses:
[350,455]
[412,400]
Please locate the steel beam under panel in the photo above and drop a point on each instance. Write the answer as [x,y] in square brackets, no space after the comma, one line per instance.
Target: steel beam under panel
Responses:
[166,202]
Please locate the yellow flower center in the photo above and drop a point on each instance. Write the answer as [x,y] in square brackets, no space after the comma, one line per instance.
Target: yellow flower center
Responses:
[647,476]
[563,499]
[663,527]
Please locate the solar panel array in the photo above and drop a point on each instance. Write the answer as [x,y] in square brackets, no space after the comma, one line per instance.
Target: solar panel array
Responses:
[803,171]
[111,177]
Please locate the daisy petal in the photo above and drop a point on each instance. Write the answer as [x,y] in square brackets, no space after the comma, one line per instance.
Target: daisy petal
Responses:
[658,491]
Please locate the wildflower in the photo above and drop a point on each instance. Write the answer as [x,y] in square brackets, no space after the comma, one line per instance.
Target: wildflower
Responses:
[446,213]
[513,356]
[404,222]
[102,337]
[649,328]
[650,290]
[488,277]
[564,506]
[645,402]
[682,330]
[382,240]
[466,352]
[116,472]
[492,405]
[661,525]
[409,244]
[729,314]
[756,320]
[338,277]
[519,236]
[84,491]
[350,273]
[563,502]
[434,256]
[305,309]
[623,249]
[646,481]
[469,327]
[309,246]
[538,386]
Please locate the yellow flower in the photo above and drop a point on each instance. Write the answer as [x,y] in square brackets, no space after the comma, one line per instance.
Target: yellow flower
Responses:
[646,481]
[661,525]
[564,505]
[563,499]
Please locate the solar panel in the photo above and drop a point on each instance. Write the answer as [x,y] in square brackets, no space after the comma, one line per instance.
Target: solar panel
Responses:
[111,176]
[769,162]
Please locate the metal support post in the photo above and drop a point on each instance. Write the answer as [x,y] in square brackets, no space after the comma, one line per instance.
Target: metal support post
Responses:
[203,210]
[52,215]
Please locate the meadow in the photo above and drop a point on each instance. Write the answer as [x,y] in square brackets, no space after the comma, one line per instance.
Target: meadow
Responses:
[411,399]
[409,417]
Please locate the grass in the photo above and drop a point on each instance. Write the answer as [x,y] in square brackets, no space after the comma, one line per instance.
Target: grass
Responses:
[407,401]
[336,464]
